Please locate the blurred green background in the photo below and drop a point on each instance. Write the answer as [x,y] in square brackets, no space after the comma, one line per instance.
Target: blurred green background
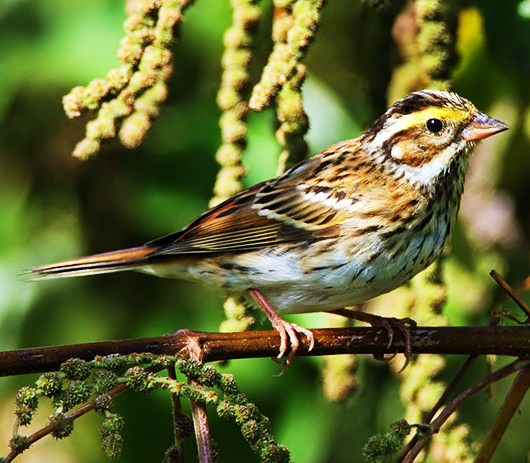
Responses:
[54,207]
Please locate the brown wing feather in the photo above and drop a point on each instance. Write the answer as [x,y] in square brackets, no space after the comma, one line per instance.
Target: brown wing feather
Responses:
[230,226]
[278,211]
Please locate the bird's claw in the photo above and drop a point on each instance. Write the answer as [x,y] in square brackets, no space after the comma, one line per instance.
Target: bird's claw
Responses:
[403,325]
[389,324]
[289,339]
[288,332]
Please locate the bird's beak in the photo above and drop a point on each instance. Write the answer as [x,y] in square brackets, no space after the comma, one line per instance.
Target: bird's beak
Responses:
[483,126]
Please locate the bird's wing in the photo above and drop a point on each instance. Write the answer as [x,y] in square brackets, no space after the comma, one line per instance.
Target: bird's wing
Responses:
[278,211]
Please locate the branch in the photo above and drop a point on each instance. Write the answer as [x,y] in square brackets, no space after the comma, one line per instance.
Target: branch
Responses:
[49,428]
[512,293]
[205,444]
[208,347]
[411,444]
[509,408]
[480,385]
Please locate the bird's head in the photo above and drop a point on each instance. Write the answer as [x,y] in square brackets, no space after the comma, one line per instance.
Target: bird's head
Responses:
[422,135]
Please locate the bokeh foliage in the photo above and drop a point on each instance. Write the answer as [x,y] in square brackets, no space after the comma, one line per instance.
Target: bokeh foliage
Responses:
[53,206]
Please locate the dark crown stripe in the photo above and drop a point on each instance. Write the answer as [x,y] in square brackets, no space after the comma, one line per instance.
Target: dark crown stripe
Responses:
[417,102]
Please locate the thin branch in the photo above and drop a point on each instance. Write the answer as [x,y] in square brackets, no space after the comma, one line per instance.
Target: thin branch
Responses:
[66,418]
[511,292]
[441,401]
[49,428]
[458,401]
[208,347]
[177,419]
[509,407]
[205,444]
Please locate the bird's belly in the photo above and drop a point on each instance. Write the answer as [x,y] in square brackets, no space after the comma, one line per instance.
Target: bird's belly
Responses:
[354,282]
[320,278]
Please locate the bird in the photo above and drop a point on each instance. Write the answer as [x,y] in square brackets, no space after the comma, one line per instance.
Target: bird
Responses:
[350,223]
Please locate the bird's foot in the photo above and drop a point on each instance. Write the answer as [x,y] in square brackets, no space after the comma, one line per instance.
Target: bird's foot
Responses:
[289,332]
[390,324]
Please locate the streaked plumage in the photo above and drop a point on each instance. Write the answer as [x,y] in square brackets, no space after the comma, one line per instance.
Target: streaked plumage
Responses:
[352,222]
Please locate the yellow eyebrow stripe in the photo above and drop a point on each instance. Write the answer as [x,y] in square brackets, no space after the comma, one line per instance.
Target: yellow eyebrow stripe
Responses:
[418,118]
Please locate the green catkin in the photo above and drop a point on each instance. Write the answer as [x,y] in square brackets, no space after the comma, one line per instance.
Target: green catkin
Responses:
[232,100]
[129,97]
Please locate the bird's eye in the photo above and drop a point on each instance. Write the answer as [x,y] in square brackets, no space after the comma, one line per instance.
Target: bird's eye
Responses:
[434,125]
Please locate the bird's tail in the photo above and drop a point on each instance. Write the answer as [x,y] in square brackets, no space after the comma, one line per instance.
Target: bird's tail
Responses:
[115,261]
